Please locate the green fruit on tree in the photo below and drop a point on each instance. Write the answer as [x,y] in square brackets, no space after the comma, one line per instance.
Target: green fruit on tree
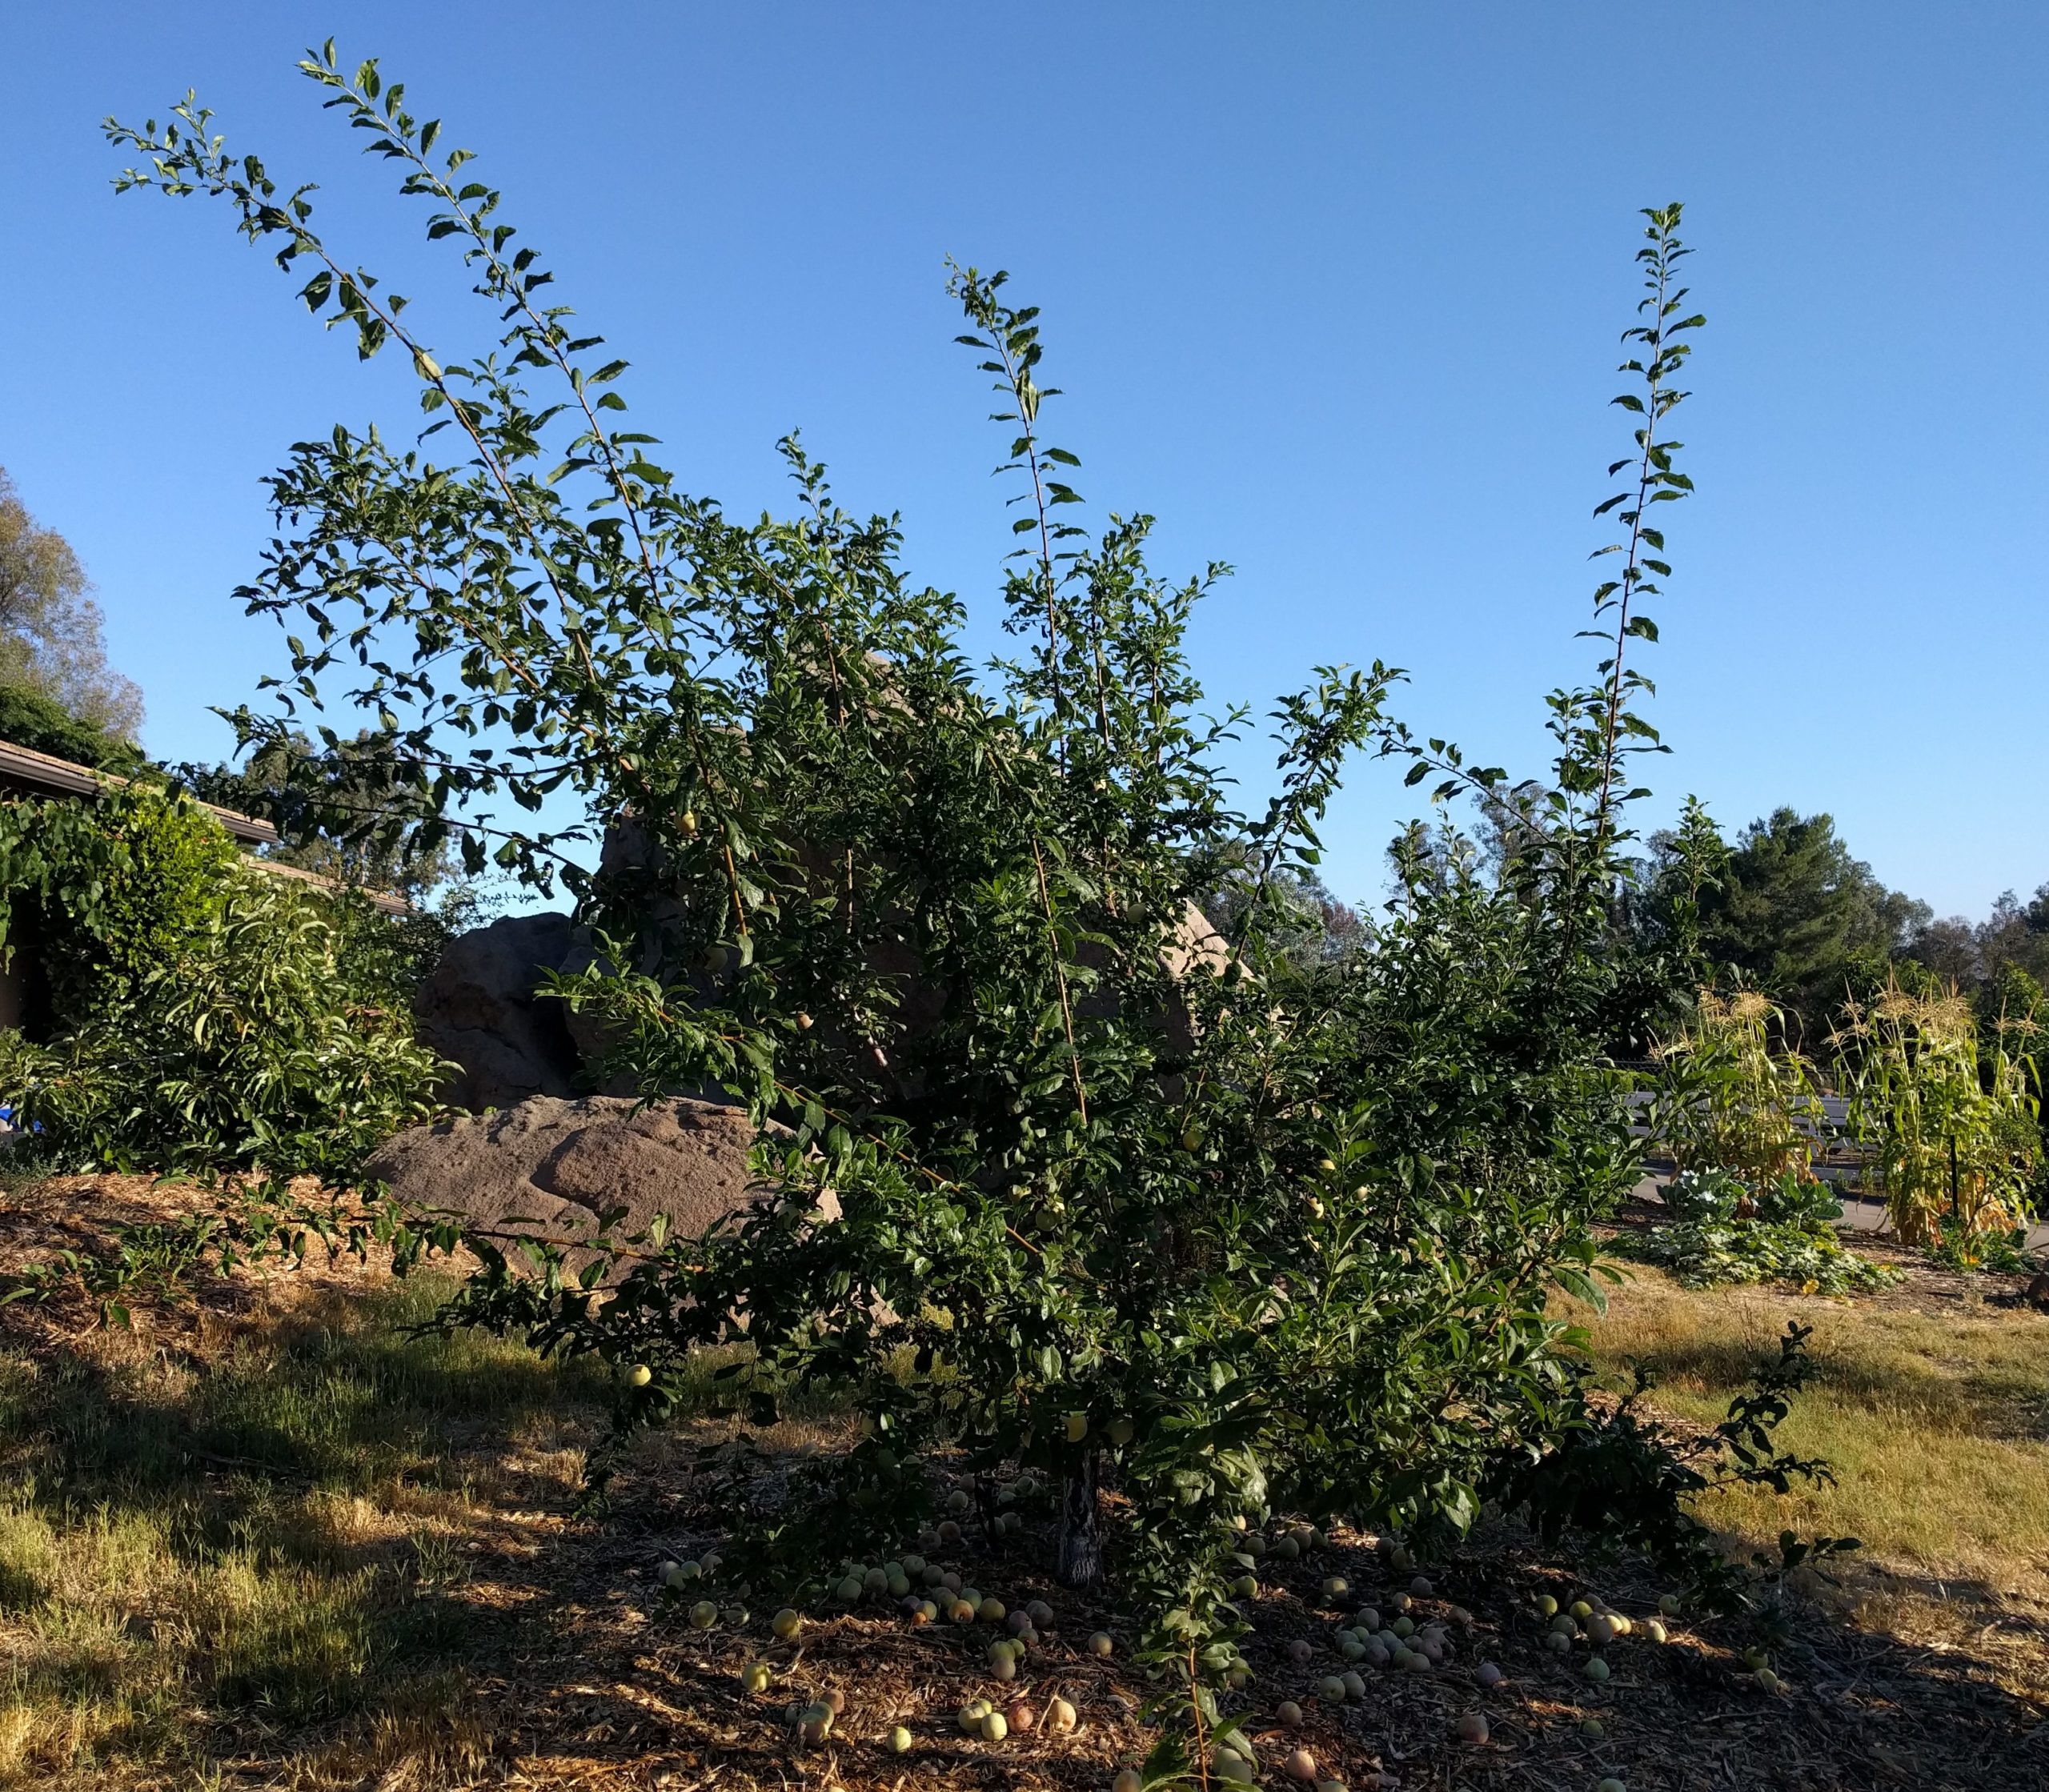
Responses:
[639,1376]
[1120,1431]
[1077,1427]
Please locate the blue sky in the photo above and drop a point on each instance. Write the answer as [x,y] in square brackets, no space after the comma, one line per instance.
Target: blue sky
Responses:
[1334,291]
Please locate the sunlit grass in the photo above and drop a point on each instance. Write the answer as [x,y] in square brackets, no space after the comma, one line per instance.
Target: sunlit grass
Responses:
[279,1534]
[1935,1423]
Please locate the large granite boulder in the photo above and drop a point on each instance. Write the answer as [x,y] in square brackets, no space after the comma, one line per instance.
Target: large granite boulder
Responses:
[551,1167]
[479,1010]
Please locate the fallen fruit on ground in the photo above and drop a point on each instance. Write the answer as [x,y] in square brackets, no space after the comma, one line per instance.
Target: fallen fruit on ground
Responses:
[1290,1713]
[994,1727]
[755,1676]
[1101,1643]
[899,1740]
[1301,1766]
[1596,1669]
[1060,1717]
[1488,1674]
[1127,1780]
[786,1623]
[703,1615]
[1473,1727]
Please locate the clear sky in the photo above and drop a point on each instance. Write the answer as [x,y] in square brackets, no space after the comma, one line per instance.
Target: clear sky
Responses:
[1334,289]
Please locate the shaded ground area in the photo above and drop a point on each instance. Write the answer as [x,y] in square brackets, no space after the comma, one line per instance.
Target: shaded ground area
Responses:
[272,1538]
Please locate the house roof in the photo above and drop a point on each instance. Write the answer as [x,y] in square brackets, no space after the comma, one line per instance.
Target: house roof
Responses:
[24,770]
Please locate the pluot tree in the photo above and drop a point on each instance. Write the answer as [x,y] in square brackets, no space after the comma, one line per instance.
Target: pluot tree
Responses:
[1233,1225]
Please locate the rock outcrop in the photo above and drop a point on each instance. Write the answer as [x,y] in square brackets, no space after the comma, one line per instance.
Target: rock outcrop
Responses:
[551,1167]
[479,1010]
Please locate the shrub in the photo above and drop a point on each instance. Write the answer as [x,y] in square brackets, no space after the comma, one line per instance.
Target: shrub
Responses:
[32,718]
[231,1049]
[210,1017]
[1236,1226]
[111,887]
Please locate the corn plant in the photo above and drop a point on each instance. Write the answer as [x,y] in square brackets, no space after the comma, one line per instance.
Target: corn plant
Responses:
[1740,1101]
[1953,1122]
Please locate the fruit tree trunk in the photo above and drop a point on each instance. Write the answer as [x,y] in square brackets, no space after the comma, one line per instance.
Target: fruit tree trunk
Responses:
[1081,1555]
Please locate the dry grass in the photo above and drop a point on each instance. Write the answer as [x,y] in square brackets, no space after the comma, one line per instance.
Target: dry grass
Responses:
[266,1540]
[1933,1417]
